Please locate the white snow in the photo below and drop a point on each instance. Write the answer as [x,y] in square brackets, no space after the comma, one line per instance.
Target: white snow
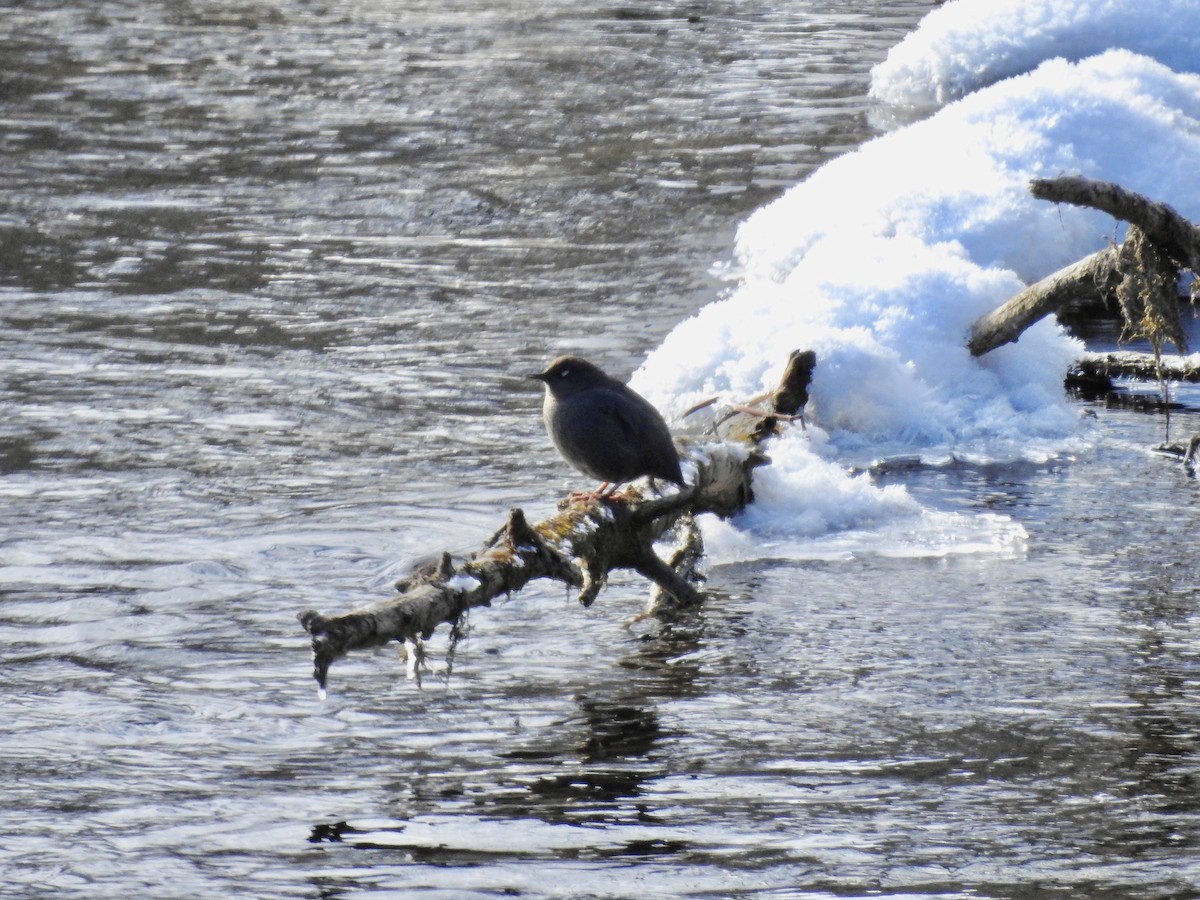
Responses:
[965,45]
[883,258]
[463,583]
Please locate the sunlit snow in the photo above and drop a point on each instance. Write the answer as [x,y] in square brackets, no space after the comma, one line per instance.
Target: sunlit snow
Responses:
[963,46]
[883,258]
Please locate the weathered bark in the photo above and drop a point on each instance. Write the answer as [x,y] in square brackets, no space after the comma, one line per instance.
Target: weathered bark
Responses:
[1178,237]
[580,545]
[1091,277]
[1113,271]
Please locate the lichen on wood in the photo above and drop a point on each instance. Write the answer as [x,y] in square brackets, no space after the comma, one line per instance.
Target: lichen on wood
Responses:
[1149,293]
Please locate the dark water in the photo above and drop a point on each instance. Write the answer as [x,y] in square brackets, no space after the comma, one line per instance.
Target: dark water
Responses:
[268,275]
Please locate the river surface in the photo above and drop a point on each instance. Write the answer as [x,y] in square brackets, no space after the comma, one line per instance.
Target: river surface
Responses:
[269,277]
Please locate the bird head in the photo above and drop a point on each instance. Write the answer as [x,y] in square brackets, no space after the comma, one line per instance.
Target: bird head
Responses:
[568,375]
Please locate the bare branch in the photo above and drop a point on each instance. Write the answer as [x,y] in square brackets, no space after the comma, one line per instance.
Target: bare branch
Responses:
[1165,227]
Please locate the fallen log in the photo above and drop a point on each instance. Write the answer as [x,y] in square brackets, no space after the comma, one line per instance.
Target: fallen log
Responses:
[1142,366]
[1135,273]
[582,543]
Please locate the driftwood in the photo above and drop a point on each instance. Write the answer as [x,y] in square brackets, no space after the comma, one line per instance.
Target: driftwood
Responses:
[1087,279]
[1142,273]
[582,543]
[1178,237]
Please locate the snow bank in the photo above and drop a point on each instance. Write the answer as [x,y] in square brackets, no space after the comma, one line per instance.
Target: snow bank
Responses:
[881,261]
[965,45]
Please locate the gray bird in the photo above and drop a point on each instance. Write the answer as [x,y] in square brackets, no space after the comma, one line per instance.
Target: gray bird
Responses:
[603,428]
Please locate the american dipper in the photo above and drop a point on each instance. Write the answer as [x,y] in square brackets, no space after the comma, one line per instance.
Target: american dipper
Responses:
[603,428]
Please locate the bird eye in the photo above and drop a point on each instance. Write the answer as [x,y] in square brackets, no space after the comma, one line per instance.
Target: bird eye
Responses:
[564,373]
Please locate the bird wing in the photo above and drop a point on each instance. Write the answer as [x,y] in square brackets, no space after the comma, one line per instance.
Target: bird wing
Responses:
[640,425]
[620,417]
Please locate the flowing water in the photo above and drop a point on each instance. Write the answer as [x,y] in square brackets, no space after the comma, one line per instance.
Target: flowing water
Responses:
[269,277]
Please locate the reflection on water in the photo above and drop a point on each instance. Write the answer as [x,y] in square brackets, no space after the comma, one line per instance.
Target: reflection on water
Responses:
[268,277]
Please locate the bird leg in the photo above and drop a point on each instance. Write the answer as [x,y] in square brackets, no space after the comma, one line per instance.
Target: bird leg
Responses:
[606,491]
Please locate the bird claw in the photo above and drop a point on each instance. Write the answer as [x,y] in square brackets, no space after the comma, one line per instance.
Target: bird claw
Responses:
[606,493]
[586,496]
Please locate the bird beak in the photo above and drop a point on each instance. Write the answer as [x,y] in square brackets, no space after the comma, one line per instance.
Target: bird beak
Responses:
[537,376]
